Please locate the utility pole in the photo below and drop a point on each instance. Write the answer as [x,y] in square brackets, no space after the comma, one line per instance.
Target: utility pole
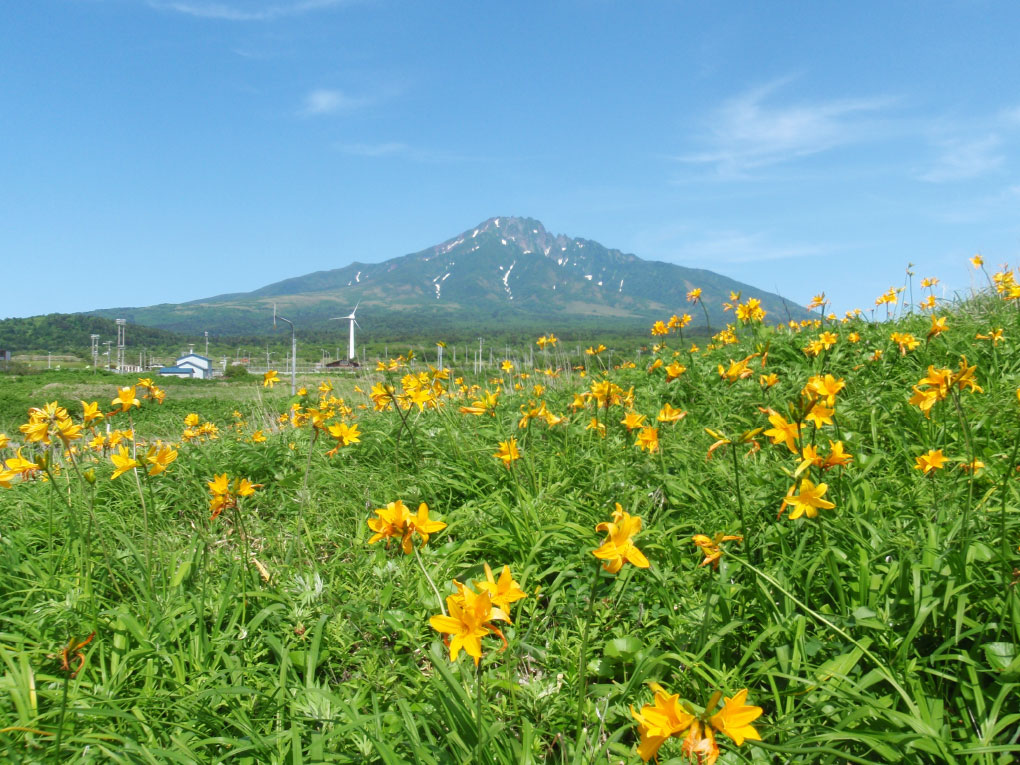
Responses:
[293,350]
[95,351]
[121,342]
[207,344]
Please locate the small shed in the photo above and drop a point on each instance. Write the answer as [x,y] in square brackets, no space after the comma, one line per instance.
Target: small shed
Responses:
[202,366]
[176,372]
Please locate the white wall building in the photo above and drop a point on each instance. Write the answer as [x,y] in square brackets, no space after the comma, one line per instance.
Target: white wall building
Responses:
[189,365]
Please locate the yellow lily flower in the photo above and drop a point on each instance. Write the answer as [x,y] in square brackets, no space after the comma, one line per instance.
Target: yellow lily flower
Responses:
[123,462]
[619,545]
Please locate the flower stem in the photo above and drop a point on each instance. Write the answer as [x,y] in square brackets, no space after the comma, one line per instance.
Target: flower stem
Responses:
[442,606]
[965,524]
[582,656]
[308,465]
[53,483]
[708,322]
[740,499]
[145,513]
[60,722]
[708,611]
[1003,543]
[478,699]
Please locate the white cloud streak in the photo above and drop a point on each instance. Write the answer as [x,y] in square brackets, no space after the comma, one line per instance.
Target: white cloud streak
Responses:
[232,12]
[386,149]
[327,101]
[1011,117]
[962,159]
[683,243]
[749,131]
[400,150]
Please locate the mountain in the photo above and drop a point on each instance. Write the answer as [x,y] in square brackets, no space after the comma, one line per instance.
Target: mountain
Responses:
[506,273]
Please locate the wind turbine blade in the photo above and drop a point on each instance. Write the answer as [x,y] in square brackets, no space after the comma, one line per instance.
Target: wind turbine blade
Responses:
[356,324]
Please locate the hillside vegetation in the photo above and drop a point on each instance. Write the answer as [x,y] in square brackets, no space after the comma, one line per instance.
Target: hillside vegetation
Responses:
[70,332]
[409,565]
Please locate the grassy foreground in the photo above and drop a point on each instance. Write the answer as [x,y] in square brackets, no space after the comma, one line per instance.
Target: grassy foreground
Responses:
[865,604]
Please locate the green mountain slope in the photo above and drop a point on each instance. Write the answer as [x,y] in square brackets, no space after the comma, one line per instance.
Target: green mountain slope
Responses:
[505,273]
[70,333]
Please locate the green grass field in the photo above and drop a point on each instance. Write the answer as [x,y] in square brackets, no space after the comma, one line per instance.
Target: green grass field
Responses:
[869,608]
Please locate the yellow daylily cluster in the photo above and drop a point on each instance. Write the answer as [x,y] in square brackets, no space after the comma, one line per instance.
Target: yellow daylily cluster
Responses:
[508,452]
[712,546]
[817,408]
[532,411]
[395,520]
[1006,285]
[472,613]
[938,383]
[905,340]
[737,370]
[226,492]
[50,423]
[17,467]
[668,717]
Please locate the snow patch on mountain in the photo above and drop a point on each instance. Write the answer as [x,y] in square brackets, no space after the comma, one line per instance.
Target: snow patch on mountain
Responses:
[447,247]
[506,279]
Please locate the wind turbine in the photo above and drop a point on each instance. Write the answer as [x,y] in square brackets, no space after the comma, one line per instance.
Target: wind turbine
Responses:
[353,322]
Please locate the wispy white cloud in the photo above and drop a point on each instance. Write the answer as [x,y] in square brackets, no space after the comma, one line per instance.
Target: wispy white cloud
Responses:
[742,247]
[998,205]
[399,150]
[329,101]
[752,131]
[385,149]
[251,11]
[1011,117]
[683,243]
[962,159]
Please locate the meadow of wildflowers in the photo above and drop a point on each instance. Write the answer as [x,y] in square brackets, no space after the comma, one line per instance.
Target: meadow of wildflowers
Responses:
[780,543]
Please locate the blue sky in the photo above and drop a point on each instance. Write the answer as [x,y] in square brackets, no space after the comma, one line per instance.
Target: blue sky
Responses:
[167,150]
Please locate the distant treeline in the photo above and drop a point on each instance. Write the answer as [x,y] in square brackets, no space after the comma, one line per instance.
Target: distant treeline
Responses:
[70,333]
